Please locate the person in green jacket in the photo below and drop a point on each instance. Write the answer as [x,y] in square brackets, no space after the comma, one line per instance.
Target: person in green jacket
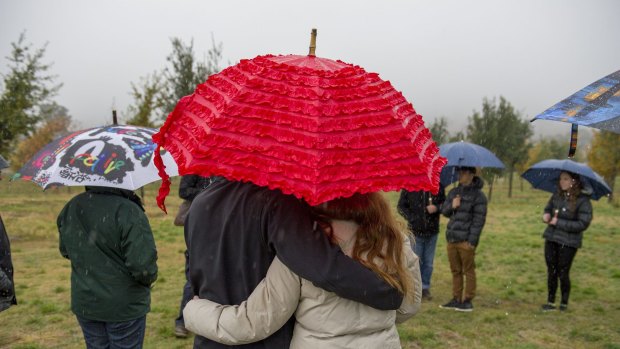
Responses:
[106,235]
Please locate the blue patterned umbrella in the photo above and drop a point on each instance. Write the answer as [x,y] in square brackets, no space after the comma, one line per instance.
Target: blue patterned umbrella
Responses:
[597,105]
[544,175]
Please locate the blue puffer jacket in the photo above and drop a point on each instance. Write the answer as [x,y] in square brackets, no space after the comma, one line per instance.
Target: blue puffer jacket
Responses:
[571,223]
[466,222]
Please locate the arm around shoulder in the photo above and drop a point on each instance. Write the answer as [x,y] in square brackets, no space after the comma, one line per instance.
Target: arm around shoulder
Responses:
[295,241]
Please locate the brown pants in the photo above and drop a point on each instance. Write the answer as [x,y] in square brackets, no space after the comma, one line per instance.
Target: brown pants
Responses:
[461,257]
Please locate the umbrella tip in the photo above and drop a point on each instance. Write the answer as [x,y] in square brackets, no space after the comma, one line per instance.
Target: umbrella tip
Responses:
[312,42]
[114,118]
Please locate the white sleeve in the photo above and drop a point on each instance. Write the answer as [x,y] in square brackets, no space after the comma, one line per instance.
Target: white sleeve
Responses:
[267,309]
[411,305]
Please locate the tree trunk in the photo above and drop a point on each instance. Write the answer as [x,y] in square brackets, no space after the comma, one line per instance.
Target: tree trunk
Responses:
[510,182]
[491,188]
[611,181]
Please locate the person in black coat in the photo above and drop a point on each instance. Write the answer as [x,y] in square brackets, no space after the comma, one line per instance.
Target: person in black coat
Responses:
[235,229]
[567,215]
[421,209]
[466,206]
[190,186]
[7,288]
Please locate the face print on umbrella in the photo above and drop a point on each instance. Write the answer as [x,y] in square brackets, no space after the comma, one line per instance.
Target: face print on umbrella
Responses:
[96,157]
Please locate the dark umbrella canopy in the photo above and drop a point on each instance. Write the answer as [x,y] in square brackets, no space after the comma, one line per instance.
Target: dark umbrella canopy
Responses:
[544,175]
[596,105]
[465,154]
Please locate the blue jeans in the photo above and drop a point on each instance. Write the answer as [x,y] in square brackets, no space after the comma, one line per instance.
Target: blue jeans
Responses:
[188,294]
[425,249]
[113,335]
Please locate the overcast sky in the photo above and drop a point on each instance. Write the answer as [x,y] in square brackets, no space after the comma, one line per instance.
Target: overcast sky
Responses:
[444,55]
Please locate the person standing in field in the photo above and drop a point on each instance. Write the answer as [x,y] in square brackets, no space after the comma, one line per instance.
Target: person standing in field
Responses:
[466,207]
[190,186]
[106,235]
[421,210]
[7,287]
[567,215]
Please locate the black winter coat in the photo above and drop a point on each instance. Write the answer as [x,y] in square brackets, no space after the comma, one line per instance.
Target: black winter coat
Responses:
[571,223]
[235,229]
[412,206]
[192,185]
[466,222]
[7,288]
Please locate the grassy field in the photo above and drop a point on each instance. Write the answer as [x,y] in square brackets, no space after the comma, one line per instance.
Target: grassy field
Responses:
[510,267]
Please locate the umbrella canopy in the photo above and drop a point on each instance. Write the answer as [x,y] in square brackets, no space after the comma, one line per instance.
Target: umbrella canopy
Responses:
[113,156]
[312,127]
[544,175]
[3,163]
[465,154]
[597,105]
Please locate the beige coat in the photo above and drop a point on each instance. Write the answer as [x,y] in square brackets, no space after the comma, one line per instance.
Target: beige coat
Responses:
[323,319]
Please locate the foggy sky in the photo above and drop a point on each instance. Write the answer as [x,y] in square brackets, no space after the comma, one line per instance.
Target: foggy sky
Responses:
[444,55]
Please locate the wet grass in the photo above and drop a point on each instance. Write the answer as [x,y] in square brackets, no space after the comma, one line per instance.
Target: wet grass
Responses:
[511,280]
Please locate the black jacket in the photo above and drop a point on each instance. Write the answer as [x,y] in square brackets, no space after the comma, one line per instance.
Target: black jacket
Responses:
[235,229]
[7,288]
[571,223]
[467,221]
[191,185]
[412,206]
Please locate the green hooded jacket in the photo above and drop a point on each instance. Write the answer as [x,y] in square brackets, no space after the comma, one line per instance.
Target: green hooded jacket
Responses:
[107,237]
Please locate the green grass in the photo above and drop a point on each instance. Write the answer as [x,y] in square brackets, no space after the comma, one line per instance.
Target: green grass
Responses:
[510,267]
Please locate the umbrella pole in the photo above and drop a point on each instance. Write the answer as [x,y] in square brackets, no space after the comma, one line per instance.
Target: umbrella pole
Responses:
[312,42]
[573,141]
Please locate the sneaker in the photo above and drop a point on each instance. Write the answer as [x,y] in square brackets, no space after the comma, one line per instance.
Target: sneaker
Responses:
[180,331]
[563,307]
[426,294]
[466,306]
[453,304]
[548,307]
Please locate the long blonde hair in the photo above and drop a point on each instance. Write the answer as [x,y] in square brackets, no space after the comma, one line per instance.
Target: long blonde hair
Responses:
[377,237]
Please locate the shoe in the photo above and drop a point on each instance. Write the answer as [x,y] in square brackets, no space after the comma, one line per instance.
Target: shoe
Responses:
[563,307]
[466,306]
[548,307]
[180,331]
[426,294]
[453,304]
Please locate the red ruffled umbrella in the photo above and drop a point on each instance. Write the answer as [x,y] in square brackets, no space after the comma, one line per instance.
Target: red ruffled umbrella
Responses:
[312,127]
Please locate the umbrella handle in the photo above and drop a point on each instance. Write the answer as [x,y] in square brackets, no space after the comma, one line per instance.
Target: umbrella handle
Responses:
[312,42]
[573,141]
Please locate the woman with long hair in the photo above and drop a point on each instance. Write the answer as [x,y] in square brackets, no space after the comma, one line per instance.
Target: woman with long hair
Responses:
[567,215]
[364,227]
